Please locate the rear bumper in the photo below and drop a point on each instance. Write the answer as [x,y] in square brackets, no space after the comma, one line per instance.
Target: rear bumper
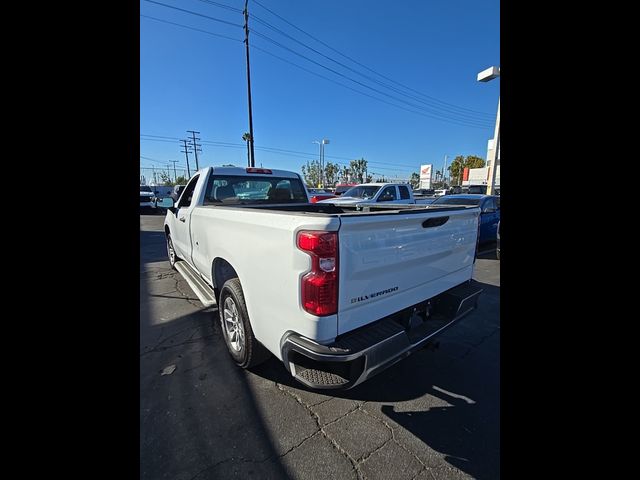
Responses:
[358,355]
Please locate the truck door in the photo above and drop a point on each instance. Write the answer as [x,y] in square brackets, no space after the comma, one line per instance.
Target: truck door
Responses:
[388,194]
[405,196]
[180,234]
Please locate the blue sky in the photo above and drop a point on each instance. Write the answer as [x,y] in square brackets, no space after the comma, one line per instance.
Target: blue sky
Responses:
[190,80]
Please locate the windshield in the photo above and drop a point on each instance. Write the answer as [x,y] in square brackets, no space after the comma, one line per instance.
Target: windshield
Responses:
[362,191]
[447,200]
[254,190]
[144,188]
[342,188]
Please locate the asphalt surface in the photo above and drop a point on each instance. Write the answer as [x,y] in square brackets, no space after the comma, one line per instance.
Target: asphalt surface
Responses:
[434,415]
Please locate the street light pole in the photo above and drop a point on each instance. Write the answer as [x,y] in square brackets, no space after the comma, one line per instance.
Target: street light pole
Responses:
[322,143]
[486,76]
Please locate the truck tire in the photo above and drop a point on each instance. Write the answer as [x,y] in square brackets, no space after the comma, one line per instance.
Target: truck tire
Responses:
[171,252]
[243,347]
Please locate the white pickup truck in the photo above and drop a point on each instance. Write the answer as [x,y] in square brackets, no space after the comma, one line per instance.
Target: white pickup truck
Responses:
[376,193]
[335,293]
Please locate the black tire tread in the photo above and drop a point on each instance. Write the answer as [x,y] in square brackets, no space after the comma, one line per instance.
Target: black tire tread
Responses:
[174,251]
[256,353]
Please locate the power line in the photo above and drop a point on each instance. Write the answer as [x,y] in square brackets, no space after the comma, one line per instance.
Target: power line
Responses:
[357,91]
[364,66]
[278,150]
[191,28]
[222,5]
[474,123]
[464,122]
[164,162]
[469,116]
[195,13]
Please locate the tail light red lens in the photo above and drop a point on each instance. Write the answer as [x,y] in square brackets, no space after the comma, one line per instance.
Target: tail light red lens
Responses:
[319,287]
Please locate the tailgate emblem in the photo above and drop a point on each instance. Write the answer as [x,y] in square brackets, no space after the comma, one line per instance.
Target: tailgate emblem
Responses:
[373,295]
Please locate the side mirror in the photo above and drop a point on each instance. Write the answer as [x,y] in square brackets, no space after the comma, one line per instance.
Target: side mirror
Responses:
[488,210]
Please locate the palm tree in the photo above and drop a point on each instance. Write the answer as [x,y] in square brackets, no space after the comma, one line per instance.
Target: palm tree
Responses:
[246,137]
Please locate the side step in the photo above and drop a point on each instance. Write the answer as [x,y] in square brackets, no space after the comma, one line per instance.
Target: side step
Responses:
[203,291]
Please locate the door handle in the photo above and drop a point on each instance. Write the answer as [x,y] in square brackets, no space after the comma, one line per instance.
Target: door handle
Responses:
[182,219]
[434,222]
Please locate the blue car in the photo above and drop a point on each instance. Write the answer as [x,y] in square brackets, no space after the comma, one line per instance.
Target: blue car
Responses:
[489,212]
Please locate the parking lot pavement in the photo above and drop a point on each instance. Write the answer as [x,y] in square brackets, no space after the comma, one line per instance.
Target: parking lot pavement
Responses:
[434,415]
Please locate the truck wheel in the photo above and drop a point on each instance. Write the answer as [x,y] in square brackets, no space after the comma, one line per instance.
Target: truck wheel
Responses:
[245,350]
[171,252]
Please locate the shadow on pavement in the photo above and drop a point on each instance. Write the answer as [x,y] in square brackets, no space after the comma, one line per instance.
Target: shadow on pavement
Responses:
[448,397]
[155,247]
[199,421]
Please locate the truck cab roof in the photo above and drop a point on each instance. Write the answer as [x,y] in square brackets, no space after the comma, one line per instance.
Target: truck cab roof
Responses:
[247,171]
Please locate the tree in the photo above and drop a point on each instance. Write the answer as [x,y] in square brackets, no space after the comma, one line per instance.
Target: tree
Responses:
[358,169]
[331,172]
[181,180]
[460,163]
[345,175]
[165,179]
[415,180]
[311,173]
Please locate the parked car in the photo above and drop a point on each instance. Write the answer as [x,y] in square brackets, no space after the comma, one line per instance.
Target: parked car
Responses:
[343,187]
[376,193]
[147,199]
[427,192]
[336,295]
[317,194]
[477,189]
[489,212]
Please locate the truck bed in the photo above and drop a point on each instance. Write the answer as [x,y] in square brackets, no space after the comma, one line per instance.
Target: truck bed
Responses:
[332,210]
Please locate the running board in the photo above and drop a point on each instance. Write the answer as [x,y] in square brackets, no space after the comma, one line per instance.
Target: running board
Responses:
[203,291]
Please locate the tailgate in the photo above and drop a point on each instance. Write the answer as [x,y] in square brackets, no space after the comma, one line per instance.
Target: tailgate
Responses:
[391,261]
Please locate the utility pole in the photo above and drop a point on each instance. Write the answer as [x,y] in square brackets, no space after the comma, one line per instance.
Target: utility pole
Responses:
[186,154]
[246,42]
[196,147]
[175,177]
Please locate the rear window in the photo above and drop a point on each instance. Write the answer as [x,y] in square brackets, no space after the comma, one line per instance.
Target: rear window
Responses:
[254,190]
[366,192]
[342,188]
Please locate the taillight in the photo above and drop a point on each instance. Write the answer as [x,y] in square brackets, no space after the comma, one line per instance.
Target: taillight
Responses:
[257,170]
[314,199]
[319,287]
